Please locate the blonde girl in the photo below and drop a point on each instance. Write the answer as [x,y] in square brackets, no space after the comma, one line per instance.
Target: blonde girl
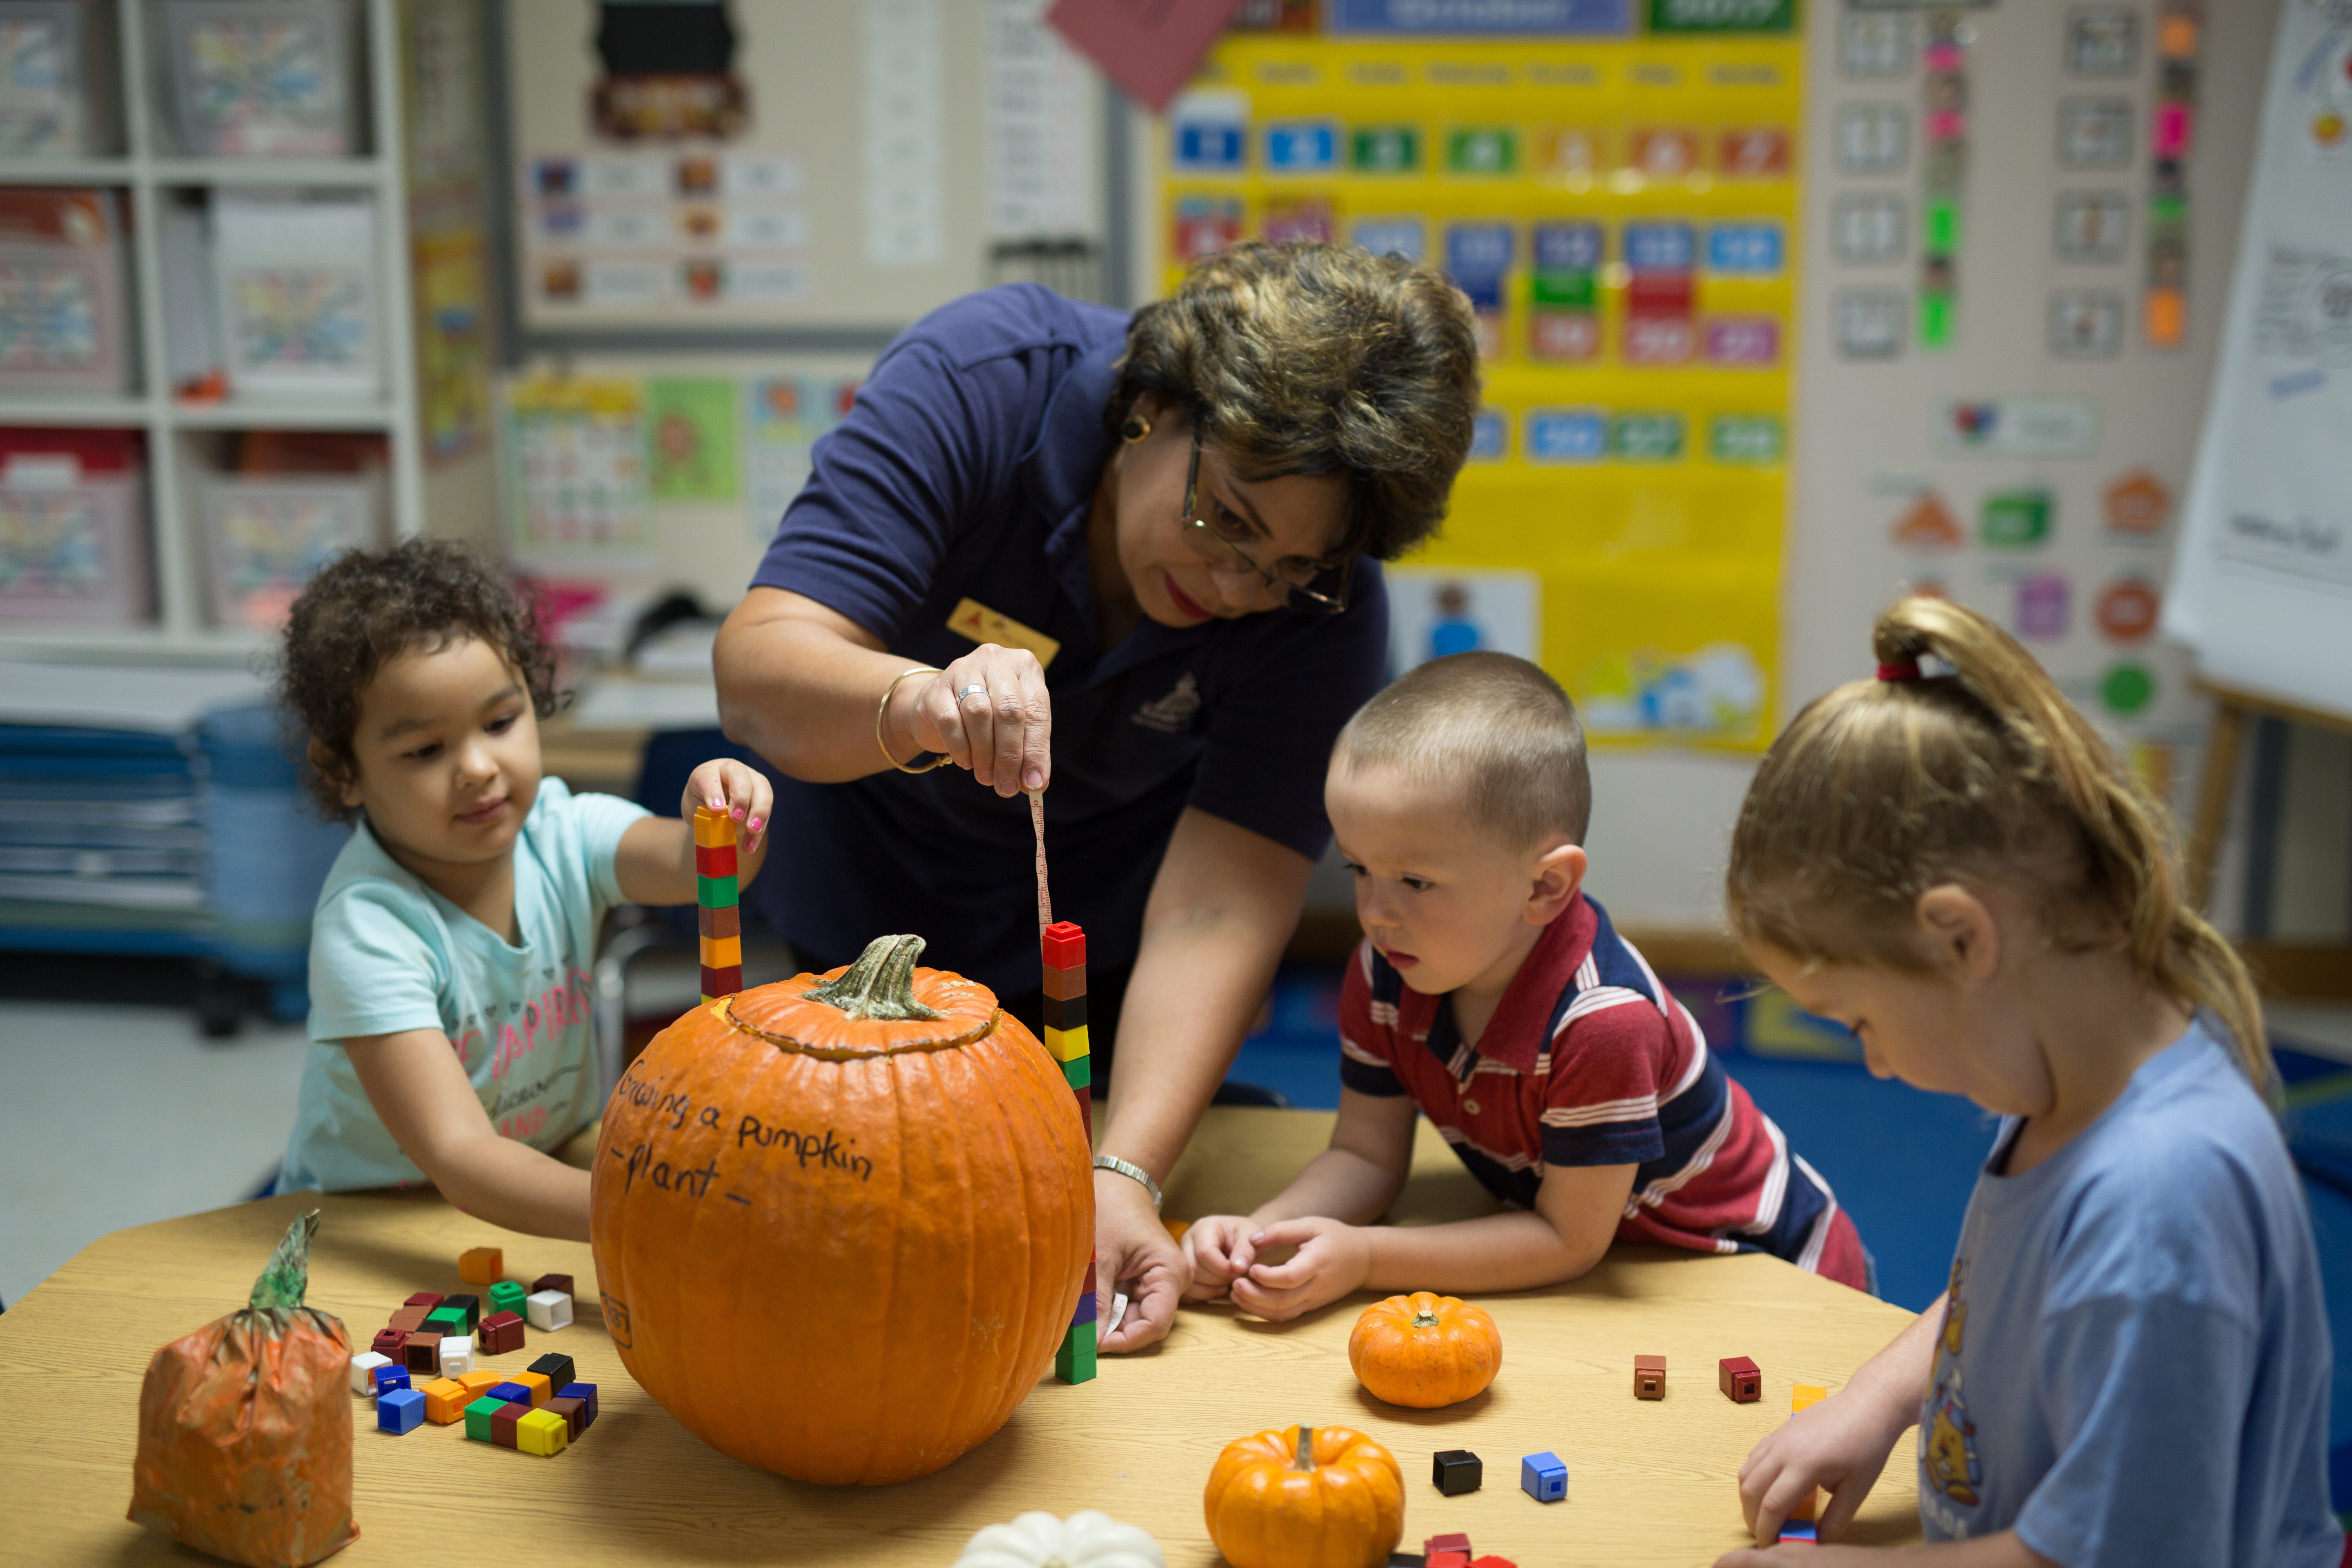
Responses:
[2131,1363]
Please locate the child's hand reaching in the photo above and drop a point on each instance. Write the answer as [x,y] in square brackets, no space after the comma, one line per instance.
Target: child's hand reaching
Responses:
[1841,1444]
[1219,1250]
[1332,1259]
[743,793]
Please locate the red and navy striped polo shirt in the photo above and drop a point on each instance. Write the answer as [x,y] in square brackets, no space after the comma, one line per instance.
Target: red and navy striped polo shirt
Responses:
[1590,1060]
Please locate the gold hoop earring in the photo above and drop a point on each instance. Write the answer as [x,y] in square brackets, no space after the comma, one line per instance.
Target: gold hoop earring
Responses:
[1136,428]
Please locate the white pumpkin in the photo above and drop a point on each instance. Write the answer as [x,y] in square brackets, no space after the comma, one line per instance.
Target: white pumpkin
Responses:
[1087,1540]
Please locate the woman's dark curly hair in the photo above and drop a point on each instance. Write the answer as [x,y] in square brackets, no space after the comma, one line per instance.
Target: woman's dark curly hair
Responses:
[1305,357]
[367,608]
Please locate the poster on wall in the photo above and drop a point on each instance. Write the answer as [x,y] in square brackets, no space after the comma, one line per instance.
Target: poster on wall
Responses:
[2263,585]
[577,471]
[1615,188]
[784,417]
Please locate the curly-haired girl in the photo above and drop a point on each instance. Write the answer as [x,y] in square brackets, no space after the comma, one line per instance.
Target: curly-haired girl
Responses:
[450,957]
[2130,1365]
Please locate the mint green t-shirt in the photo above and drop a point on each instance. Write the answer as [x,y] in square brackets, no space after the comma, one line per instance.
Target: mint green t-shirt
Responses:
[387,953]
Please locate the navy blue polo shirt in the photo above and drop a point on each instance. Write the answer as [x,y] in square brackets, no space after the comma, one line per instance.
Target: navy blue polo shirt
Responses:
[965,470]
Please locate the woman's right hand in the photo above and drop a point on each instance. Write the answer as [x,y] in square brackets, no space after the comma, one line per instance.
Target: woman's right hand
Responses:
[1001,729]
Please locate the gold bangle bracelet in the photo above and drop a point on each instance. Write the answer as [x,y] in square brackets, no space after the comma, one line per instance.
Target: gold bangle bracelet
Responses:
[883,707]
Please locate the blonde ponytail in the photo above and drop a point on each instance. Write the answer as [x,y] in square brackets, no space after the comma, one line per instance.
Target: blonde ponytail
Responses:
[1882,788]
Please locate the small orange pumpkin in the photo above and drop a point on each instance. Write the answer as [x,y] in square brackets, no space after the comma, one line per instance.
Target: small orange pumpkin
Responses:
[1425,1350]
[1306,1497]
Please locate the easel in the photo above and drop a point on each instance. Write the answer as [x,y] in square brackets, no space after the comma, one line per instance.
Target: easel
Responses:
[2289,969]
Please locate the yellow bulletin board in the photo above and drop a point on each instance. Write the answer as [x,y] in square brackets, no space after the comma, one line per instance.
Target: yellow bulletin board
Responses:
[1623,211]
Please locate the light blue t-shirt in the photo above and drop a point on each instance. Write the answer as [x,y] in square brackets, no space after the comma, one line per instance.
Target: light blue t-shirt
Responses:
[387,953]
[2133,1363]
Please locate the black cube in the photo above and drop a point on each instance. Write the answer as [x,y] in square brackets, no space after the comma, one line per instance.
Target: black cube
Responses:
[1455,1471]
[556,1368]
[469,1305]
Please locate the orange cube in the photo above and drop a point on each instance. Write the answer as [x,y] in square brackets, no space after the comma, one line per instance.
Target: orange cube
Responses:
[477,1384]
[482,1265]
[541,1391]
[445,1401]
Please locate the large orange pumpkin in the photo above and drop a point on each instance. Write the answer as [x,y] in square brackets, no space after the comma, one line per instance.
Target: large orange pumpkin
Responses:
[1306,1497]
[1425,1350]
[841,1223]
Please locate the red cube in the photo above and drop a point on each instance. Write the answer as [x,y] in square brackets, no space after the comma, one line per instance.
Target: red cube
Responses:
[1065,946]
[1740,1382]
[502,1424]
[559,1283]
[499,1333]
[428,1300]
[390,1343]
[1457,1541]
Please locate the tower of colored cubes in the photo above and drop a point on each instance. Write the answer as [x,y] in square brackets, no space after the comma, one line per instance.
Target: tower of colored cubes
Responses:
[718,915]
[1065,952]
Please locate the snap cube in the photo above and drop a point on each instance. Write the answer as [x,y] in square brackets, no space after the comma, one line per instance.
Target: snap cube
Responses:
[1456,1470]
[388,1344]
[481,1265]
[1457,1541]
[556,1368]
[1740,1382]
[469,1305]
[507,1295]
[363,1367]
[478,1414]
[585,1393]
[549,1310]
[390,1376]
[1648,1377]
[1543,1478]
[408,1319]
[400,1410]
[561,1283]
[423,1353]
[1446,1560]
[513,1393]
[445,1401]
[428,1300]
[446,1320]
[1800,1529]
[456,1355]
[479,1384]
[574,1413]
[541,1432]
[502,1424]
[541,1391]
[501,1332]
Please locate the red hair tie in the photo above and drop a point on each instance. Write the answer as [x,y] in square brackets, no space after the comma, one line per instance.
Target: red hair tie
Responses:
[1901,669]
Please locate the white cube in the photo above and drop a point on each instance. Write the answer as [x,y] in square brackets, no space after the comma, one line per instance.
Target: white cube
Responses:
[549,1310]
[456,1355]
[363,1367]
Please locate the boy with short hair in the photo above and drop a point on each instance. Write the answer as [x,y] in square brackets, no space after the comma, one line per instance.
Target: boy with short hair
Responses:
[1491,994]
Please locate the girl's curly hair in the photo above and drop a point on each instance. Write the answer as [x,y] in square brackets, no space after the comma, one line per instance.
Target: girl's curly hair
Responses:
[367,608]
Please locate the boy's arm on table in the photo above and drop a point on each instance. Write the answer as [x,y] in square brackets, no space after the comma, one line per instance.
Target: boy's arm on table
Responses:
[1843,1443]
[654,862]
[416,1085]
[1324,1215]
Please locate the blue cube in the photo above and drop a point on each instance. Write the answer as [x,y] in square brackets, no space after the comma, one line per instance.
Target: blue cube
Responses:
[586,1394]
[1800,1529]
[400,1410]
[1543,1478]
[388,1378]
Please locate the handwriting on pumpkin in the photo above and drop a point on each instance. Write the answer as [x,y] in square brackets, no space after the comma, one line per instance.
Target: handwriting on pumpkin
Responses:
[827,1150]
[693,1182]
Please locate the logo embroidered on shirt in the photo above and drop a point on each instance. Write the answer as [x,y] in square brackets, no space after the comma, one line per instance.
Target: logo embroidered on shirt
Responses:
[1173,714]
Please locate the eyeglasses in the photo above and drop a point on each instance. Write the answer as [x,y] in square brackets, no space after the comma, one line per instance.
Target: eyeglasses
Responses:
[1308,586]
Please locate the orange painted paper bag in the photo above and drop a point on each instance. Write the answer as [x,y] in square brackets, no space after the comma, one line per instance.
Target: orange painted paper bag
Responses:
[245,1427]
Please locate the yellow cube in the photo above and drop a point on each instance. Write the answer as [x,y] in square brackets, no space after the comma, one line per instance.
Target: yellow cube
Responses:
[722,952]
[482,1265]
[541,1391]
[1805,1394]
[1066,1045]
[541,1432]
[445,1401]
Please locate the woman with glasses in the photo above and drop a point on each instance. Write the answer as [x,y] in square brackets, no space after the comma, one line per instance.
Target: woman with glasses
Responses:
[1130,561]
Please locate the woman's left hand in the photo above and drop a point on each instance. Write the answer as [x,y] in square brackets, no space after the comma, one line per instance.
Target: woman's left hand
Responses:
[743,793]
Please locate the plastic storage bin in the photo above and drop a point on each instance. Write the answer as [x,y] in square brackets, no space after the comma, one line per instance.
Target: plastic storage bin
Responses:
[300,308]
[263,79]
[64,316]
[73,527]
[265,536]
[57,79]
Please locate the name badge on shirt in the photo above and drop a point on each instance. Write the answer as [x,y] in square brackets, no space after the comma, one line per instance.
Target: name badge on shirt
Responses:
[975,620]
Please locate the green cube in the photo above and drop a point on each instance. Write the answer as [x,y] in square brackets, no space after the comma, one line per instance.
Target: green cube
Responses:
[446,1320]
[478,1415]
[716,892]
[1385,149]
[1937,315]
[1941,234]
[507,1296]
[1575,287]
[1077,1071]
[1075,1362]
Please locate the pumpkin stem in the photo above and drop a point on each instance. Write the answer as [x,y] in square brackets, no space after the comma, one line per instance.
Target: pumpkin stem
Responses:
[880,984]
[1424,1320]
[287,1274]
[1306,1447]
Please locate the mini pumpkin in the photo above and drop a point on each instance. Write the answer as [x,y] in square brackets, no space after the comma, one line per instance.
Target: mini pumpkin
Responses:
[1306,1497]
[840,1223]
[1425,1350]
[1084,1540]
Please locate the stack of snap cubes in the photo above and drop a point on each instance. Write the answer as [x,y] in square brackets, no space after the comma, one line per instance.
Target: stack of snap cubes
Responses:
[719,915]
[421,1366]
[1064,949]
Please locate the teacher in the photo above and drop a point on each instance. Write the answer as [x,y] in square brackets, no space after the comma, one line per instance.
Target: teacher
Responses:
[1129,559]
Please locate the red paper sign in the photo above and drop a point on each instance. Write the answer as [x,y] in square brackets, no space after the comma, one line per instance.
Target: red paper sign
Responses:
[1148,46]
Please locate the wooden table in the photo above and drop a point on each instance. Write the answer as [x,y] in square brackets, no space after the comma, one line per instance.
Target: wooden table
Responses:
[1649,1482]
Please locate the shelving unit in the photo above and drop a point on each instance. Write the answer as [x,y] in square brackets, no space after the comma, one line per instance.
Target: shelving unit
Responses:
[148,175]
